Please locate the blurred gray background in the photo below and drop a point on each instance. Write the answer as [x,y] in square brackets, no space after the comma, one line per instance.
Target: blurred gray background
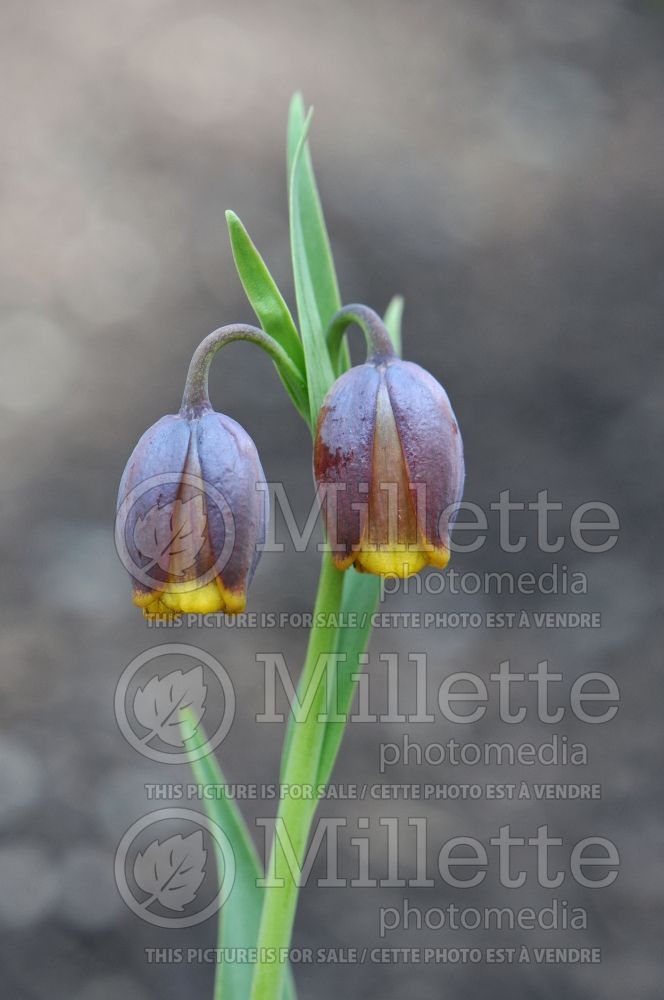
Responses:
[499,163]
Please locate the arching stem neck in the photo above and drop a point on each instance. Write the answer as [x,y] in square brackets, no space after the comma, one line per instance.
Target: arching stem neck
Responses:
[195,399]
[379,344]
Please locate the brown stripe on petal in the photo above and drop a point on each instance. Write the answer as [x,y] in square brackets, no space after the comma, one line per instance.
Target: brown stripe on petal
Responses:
[193,553]
[392,519]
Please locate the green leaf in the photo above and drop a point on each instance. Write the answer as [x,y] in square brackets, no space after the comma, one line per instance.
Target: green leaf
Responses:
[270,308]
[320,375]
[240,916]
[316,242]
[316,288]
[393,316]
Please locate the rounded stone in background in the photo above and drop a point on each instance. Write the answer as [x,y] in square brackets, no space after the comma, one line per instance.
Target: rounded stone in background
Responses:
[20,781]
[122,797]
[187,65]
[30,885]
[568,21]
[551,115]
[109,272]
[111,988]
[89,897]
[67,550]
[27,388]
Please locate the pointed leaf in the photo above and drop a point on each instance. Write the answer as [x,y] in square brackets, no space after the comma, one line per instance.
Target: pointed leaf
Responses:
[312,324]
[270,308]
[315,241]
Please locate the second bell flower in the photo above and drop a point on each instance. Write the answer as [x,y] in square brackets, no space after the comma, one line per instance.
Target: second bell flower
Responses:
[389,456]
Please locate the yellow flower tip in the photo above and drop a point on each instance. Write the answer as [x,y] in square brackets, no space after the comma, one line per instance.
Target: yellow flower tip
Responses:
[397,560]
[143,599]
[235,601]
[176,599]
[152,606]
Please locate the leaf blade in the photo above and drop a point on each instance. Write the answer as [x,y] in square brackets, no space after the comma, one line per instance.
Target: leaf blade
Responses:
[320,374]
[314,231]
[270,307]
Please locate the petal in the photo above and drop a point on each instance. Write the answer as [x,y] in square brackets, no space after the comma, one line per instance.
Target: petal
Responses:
[343,453]
[432,448]
[150,482]
[238,503]
[163,448]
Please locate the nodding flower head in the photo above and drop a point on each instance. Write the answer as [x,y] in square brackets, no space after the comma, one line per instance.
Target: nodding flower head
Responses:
[389,457]
[192,506]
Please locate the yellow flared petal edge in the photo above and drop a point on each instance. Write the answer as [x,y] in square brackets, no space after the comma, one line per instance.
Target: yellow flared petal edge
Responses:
[396,560]
[176,599]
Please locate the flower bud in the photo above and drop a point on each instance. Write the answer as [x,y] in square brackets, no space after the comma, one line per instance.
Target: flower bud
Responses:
[192,508]
[389,456]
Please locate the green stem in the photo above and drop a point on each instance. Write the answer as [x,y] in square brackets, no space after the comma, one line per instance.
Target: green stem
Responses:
[195,398]
[378,340]
[296,815]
